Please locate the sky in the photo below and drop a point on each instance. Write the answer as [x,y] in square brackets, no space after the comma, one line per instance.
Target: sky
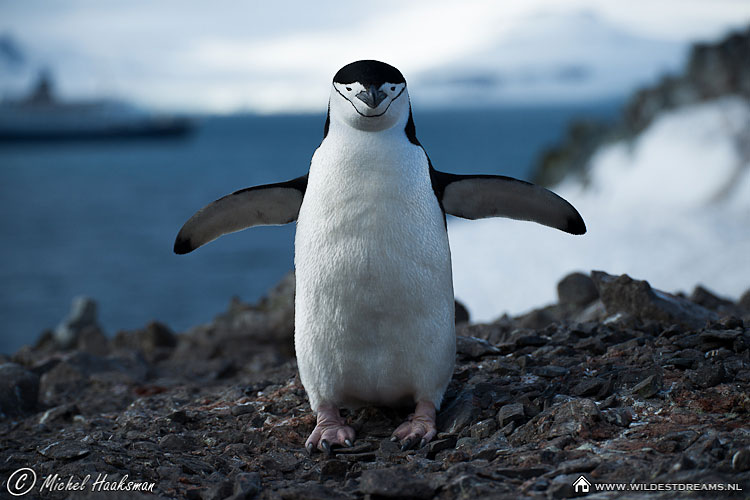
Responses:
[225,56]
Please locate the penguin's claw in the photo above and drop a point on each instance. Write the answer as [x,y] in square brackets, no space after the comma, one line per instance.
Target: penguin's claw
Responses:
[406,445]
[326,446]
[419,428]
[394,439]
[331,430]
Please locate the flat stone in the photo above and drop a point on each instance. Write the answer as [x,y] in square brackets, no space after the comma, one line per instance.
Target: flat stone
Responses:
[438,445]
[510,413]
[64,450]
[588,387]
[474,348]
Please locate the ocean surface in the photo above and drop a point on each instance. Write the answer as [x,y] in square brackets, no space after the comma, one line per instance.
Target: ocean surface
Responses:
[99,219]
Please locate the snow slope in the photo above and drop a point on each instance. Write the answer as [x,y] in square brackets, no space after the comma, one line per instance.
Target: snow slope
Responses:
[672,207]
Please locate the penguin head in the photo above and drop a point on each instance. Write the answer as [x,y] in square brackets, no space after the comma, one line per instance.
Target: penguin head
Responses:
[369,95]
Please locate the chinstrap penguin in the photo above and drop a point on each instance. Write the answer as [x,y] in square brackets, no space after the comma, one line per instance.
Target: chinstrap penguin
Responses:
[374,307]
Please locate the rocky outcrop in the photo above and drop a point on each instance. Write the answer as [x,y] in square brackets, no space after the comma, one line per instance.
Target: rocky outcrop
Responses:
[713,70]
[620,383]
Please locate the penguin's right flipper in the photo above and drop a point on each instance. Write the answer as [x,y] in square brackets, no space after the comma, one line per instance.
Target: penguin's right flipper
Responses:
[266,205]
[481,196]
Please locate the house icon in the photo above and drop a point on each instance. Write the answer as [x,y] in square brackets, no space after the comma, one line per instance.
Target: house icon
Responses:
[581,485]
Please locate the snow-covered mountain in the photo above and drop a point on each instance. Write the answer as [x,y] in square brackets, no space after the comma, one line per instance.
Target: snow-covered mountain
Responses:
[553,57]
[224,56]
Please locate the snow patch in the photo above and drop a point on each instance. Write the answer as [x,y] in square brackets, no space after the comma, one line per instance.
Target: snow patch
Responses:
[672,207]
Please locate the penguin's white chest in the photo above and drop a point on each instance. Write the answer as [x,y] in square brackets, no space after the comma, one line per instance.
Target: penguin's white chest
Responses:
[374,305]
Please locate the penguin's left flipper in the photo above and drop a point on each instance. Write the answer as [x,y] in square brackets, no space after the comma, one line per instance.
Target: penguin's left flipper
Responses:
[482,196]
[267,205]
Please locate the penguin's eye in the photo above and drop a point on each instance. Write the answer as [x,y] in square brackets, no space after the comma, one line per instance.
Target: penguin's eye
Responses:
[393,89]
[349,88]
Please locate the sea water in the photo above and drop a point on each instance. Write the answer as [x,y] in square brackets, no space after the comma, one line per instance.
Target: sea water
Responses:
[99,219]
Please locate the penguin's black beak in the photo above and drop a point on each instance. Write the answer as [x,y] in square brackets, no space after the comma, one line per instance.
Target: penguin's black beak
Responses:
[372,96]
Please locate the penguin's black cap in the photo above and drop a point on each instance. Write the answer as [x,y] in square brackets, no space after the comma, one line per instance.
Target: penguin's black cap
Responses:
[369,72]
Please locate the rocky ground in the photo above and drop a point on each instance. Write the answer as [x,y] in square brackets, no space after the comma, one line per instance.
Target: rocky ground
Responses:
[617,382]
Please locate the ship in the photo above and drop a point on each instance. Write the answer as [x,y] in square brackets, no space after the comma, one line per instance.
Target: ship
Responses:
[41,117]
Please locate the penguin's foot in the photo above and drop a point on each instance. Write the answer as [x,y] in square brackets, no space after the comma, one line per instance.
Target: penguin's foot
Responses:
[330,430]
[419,428]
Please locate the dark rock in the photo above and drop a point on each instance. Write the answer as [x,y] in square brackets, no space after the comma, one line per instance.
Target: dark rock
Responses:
[396,482]
[683,463]
[150,341]
[64,450]
[561,486]
[243,409]
[510,413]
[490,447]
[705,298]
[578,418]
[589,387]
[648,387]
[483,429]
[744,302]
[585,464]
[474,348]
[82,315]
[437,445]
[92,340]
[19,390]
[712,339]
[333,469]
[621,417]
[676,441]
[531,340]
[459,413]
[741,460]
[62,412]
[217,490]
[577,289]
[310,491]
[69,375]
[175,442]
[622,294]
[708,375]
[246,486]
[538,319]
[551,371]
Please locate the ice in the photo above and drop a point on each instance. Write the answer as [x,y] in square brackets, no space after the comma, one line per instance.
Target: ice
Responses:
[672,207]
